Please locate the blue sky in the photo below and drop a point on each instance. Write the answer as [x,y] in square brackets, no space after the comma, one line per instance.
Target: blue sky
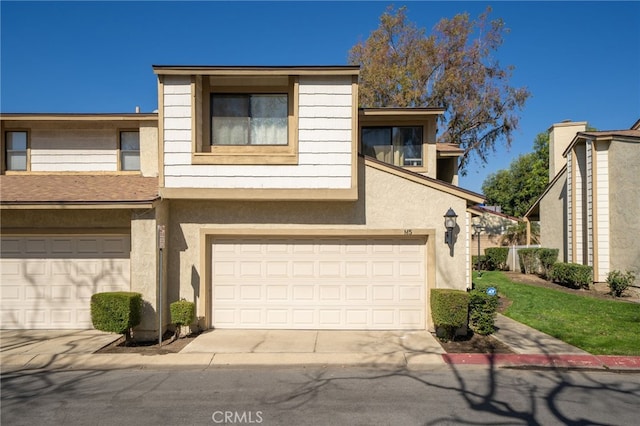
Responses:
[580,60]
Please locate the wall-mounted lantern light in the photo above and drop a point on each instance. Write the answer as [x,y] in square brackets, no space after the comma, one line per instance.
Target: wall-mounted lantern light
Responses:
[450,219]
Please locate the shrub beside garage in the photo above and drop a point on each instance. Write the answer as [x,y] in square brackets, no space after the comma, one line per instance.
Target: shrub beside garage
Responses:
[449,310]
[116,312]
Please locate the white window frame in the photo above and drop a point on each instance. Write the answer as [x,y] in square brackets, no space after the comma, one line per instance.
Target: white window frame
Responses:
[7,151]
[122,152]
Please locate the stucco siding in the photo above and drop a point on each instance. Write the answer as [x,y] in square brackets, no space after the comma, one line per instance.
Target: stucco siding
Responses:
[149,150]
[624,204]
[325,145]
[391,203]
[553,217]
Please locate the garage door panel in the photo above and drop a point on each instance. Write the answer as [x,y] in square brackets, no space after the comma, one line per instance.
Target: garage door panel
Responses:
[10,293]
[11,247]
[332,283]
[35,247]
[47,282]
[36,318]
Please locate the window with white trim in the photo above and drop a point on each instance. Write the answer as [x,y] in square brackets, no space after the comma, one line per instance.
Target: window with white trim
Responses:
[16,144]
[129,150]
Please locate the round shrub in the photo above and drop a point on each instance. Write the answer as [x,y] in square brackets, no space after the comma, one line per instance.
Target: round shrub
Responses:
[619,281]
[449,310]
[182,312]
[116,312]
[482,311]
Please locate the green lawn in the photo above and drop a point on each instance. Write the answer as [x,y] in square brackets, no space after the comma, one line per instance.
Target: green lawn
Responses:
[601,327]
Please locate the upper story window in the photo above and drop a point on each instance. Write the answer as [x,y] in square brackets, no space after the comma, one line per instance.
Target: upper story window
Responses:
[16,144]
[129,150]
[249,119]
[245,119]
[398,145]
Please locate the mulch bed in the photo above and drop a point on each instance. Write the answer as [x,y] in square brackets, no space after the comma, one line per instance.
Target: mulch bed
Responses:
[599,290]
[475,344]
[169,345]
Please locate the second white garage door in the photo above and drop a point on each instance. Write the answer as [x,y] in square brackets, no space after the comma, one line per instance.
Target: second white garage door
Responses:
[319,283]
[46,282]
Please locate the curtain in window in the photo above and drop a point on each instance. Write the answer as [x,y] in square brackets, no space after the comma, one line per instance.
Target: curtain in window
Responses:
[230,123]
[269,120]
[249,119]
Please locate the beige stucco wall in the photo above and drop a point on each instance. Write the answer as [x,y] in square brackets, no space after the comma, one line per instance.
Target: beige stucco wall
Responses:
[146,262]
[149,149]
[553,217]
[624,206]
[560,136]
[391,202]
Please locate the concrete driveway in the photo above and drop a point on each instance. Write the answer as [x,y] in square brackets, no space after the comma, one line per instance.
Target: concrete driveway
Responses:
[53,342]
[76,349]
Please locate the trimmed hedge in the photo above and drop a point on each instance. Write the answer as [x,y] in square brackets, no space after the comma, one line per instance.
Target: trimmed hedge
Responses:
[528,260]
[482,266]
[572,274]
[497,258]
[449,310]
[537,260]
[116,312]
[547,258]
[182,312]
[482,310]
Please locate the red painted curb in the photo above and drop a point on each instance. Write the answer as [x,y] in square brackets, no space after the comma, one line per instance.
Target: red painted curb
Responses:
[618,361]
[543,360]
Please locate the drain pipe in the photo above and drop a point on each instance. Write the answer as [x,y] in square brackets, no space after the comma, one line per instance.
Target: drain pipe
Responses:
[161,244]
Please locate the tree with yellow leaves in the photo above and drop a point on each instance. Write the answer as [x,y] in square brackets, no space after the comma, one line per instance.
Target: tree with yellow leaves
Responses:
[453,68]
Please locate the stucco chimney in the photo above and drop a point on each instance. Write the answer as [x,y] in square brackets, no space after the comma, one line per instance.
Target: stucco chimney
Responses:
[560,136]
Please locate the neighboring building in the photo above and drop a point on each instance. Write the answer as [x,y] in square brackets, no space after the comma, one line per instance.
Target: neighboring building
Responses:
[247,193]
[589,209]
[494,225]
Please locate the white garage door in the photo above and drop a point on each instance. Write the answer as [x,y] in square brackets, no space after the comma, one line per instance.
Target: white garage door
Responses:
[319,283]
[47,281]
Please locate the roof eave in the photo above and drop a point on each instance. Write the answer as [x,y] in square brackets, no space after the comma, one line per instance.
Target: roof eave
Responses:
[256,70]
[96,205]
[79,117]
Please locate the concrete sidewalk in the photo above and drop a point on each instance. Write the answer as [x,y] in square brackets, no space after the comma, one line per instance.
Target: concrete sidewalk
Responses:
[31,349]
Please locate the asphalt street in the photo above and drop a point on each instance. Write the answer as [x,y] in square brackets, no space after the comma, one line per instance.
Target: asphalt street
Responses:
[320,396]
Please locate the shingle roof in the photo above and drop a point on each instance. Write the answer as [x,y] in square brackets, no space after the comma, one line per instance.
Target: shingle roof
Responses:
[77,189]
[449,148]
[608,133]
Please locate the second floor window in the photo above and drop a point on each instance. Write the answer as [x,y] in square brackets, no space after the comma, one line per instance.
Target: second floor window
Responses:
[129,150]
[397,145]
[249,119]
[16,150]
